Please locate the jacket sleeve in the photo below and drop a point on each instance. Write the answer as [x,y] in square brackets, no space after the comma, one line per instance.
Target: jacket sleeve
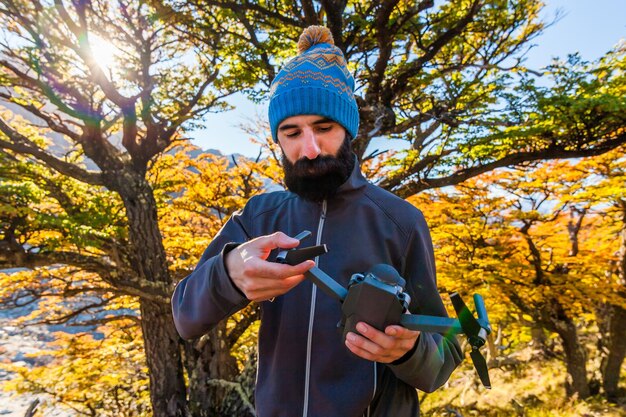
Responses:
[207,295]
[429,365]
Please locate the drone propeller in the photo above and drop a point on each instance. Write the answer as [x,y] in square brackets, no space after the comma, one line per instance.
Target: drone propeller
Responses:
[481,366]
[469,324]
[476,333]
[296,256]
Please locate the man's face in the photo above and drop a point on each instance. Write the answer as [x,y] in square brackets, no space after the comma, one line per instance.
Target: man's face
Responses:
[316,155]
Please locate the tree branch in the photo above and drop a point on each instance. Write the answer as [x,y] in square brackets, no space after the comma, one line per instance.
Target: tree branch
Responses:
[121,279]
[184,113]
[242,325]
[19,143]
[384,40]
[253,6]
[400,81]
[81,33]
[80,113]
[310,16]
[414,187]
[54,125]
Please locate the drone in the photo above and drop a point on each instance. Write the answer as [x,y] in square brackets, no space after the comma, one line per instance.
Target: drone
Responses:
[377,297]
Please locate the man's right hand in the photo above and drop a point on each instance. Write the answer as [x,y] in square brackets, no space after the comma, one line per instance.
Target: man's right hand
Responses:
[259,279]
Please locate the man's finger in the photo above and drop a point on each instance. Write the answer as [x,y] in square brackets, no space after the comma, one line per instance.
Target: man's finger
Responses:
[266,289]
[280,271]
[375,335]
[278,286]
[364,344]
[401,332]
[276,240]
[359,351]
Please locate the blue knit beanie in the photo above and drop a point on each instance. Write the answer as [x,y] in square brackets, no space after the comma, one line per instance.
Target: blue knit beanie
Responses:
[316,82]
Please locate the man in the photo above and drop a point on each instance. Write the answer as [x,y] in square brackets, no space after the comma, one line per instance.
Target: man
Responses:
[305,368]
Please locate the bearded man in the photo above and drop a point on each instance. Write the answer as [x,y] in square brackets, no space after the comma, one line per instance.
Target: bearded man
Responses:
[305,367]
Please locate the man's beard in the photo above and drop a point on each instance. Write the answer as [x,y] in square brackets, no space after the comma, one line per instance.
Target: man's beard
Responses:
[318,179]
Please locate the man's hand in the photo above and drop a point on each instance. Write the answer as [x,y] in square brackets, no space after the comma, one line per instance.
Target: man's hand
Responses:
[259,279]
[374,345]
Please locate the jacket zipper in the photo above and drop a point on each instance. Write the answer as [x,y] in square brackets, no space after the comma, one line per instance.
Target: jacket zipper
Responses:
[374,394]
[320,228]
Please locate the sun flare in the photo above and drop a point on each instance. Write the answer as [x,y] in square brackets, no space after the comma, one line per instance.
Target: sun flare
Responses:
[104,52]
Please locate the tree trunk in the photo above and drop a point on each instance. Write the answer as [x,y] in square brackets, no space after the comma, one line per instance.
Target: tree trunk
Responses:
[216,388]
[616,352]
[247,380]
[540,341]
[167,384]
[575,358]
[161,340]
[617,324]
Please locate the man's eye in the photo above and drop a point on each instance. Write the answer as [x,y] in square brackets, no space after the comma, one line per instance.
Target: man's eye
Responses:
[324,128]
[292,134]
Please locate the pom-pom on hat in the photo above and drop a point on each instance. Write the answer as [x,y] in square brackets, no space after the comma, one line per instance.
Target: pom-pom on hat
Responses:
[316,82]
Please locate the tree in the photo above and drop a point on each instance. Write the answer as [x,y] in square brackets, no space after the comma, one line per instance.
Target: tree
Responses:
[195,193]
[553,293]
[536,246]
[200,192]
[103,375]
[447,79]
[121,118]
[603,189]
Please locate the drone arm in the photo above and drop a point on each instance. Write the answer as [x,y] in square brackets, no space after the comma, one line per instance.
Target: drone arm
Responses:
[431,324]
[319,277]
[326,284]
[481,311]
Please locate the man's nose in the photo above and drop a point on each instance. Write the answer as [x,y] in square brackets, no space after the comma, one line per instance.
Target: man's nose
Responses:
[310,147]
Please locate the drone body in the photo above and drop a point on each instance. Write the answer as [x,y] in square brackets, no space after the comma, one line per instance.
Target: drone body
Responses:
[390,303]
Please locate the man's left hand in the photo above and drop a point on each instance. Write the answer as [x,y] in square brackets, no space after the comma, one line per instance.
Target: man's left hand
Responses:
[383,347]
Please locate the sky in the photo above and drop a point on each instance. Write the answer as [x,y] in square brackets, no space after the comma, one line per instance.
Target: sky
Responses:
[590,27]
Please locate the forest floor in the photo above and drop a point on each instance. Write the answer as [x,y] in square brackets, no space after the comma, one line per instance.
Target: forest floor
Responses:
[526,387]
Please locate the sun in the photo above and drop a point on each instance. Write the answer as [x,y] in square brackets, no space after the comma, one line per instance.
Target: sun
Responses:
[104,52]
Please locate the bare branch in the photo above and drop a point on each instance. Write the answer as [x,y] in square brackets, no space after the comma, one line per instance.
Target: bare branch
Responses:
[252,6]
[19,143]
[400,81]
[81,33]
[185,113]
[54,123]
[121,279]
[79,112]
[242,325]
[413,187]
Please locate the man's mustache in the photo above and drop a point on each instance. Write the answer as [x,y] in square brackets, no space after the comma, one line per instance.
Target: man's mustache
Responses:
[315,167]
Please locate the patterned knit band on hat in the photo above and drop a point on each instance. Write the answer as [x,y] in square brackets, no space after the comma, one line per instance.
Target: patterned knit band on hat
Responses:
[316,82]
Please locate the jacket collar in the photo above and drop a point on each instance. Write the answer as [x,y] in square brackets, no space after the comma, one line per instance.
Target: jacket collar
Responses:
[355,181]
